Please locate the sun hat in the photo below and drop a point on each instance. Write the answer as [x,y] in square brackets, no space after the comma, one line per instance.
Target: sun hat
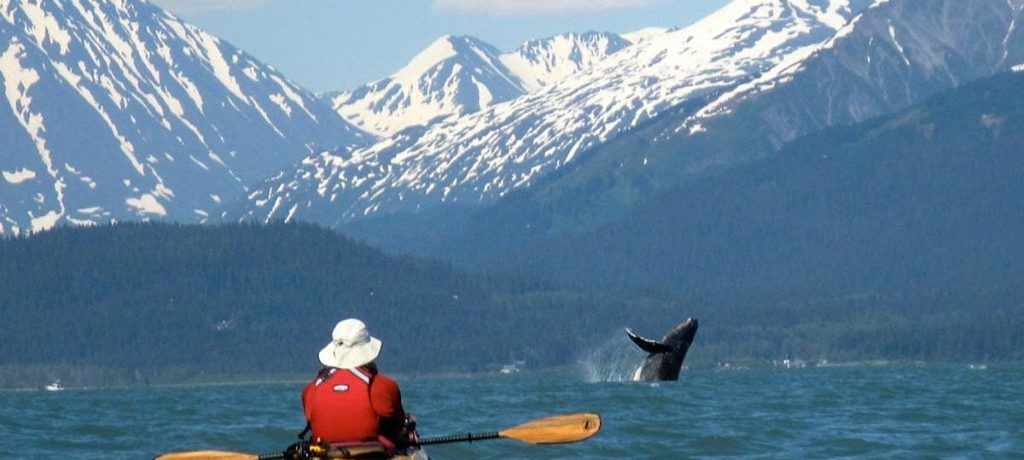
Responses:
[351,346]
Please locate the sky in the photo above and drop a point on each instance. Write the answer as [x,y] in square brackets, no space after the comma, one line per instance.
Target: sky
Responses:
[332,45]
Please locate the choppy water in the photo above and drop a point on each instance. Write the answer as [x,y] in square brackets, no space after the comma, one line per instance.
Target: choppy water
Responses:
[870,412]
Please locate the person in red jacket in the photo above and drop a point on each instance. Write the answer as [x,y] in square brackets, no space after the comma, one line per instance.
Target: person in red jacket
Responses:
[350,400]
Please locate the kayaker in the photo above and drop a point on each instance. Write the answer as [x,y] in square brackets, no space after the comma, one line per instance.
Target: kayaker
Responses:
[350,400]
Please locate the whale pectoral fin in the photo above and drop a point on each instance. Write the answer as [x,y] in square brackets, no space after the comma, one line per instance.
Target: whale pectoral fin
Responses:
[648,345]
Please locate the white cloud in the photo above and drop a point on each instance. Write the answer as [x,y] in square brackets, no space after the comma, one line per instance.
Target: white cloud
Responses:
[195,6]
[526,7]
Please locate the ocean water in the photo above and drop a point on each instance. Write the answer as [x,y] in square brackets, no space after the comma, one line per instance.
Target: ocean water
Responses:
[893,411]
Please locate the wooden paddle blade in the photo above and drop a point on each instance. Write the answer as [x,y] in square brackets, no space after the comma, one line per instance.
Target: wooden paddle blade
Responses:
[207,455]
[557,429]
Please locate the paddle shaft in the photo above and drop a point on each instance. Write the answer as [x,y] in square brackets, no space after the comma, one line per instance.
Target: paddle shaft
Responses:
[557,429]
[470,437]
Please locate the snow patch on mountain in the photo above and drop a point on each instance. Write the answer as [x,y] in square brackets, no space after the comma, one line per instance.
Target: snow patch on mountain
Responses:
[147,204]
[19,176]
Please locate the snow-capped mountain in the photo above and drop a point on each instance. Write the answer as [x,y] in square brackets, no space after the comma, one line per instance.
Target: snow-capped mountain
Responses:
[645,34]
[542,62]
[458,75]
[454,75]
[480,157]
[897,53]
[893,56]
[117,110]
[783,67]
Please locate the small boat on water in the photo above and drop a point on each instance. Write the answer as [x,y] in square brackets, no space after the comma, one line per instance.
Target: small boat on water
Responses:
[54,386]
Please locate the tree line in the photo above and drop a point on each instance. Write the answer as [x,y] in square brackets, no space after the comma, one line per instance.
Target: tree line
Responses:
[158,303]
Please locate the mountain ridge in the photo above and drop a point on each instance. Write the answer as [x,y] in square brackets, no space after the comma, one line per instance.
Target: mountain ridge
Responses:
[858,74]
[478,158]
[451,76]
[458,75]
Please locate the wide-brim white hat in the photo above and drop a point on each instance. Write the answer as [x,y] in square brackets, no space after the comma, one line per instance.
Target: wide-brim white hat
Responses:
[351,346]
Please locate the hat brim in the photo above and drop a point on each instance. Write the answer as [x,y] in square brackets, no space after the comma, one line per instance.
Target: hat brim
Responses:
[345,357]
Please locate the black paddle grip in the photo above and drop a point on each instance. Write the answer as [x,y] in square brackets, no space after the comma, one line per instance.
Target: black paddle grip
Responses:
[459,438]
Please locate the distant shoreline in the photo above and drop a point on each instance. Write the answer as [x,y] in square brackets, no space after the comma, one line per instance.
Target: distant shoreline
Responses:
[739,365]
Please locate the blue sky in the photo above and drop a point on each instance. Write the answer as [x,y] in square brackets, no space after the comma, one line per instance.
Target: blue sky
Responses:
[328,45]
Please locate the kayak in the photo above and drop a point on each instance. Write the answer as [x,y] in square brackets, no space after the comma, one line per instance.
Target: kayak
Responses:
[418,453]
[556,429]
[337,452]
[412,453]
[367,451]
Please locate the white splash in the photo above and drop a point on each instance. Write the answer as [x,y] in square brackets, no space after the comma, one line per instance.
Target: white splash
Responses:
[616,360]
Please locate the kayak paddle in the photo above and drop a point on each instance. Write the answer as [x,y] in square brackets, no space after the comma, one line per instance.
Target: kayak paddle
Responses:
[557,429]
[210,455]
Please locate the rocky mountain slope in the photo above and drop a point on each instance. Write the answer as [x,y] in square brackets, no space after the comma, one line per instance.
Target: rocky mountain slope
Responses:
[479,158]
[117,110]
[895,54]
[920,200]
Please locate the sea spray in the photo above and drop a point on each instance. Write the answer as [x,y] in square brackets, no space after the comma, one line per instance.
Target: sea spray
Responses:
[616,360]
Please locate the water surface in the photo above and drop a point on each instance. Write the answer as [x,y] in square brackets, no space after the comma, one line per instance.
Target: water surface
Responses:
[899,411]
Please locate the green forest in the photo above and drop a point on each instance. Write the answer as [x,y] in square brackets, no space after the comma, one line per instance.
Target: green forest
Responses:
[154,303]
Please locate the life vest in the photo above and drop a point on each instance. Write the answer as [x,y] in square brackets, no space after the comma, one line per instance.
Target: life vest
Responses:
[339,407]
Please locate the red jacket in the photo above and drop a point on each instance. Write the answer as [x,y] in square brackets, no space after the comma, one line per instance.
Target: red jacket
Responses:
[351,405]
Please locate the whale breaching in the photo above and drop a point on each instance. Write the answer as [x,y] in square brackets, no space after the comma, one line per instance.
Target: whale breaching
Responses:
[666,356]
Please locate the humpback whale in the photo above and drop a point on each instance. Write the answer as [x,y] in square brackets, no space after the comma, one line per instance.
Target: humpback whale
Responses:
[666,356]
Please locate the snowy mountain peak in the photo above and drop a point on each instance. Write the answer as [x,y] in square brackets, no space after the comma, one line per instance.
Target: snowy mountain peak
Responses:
[539,63]
[459,75]
[454,75]
[646,33]
[443,49]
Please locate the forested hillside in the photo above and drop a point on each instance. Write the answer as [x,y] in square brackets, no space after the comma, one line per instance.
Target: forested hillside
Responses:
[158,303]
[161,303]
[165,302]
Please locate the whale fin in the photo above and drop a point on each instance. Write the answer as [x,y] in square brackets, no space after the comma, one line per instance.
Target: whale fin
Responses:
[648,345]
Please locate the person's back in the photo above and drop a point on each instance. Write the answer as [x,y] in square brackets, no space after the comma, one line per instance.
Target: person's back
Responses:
[349,400]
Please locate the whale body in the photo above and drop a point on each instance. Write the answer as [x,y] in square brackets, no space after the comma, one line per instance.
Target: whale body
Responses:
[665,356]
